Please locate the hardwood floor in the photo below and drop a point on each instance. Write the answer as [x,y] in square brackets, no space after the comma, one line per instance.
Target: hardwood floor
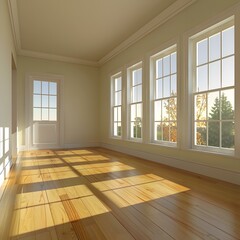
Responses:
[96,194]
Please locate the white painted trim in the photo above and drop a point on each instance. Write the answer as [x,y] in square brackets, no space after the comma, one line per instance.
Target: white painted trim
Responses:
[163,17]
[213,172]
[82,145]
[54,57]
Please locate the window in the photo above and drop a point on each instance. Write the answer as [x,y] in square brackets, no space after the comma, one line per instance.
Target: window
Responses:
[165,96]
[117,104]
[44,101]
[135,80]
[213,87]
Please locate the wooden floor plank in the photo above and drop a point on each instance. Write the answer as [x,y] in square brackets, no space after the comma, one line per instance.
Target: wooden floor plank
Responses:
[98,194]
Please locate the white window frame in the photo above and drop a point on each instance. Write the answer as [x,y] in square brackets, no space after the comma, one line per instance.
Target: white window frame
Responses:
[130,70]
[192,65]
[153,59]
[113,106]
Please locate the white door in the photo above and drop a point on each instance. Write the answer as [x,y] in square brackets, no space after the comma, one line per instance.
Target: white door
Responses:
[44,113]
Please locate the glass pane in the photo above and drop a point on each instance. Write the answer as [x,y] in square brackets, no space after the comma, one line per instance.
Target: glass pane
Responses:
[159,68]
[202,78]
[37,87]
[227,104]
[119,129]
[36,100]
[45,101]
[214,134]
[165,116]
[37,114]
[228,72]
[173,131]
[228,134]
[133,112]
[202,52]
[137,76]
[214,47]
[228,42]
[52,88]
[166,65]
[137,94]
[119,117]
[174,85]
[172,109]
[44,87]
[53,101]
[173,62]
[165,131]
[118,84]
[133,134]
[158,134]
[159,88]
[157,111]
[200,107]
[201,133]
[115,114]
[213,106]
[45,114]
[139,110]
[166,87]
[53,114]
[115,129]
[118,98]
[214,75]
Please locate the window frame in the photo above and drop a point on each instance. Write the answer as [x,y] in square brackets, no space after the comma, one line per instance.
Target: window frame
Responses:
[130,70]
[204,33]
[113,106]
[164,52]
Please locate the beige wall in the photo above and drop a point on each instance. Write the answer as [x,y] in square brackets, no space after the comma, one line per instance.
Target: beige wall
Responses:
[81,99]
[227,168]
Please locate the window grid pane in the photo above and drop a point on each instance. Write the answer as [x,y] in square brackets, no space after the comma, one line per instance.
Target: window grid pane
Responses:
[117,102]
[44,101]
[214,93]
[165,103]
[136,104]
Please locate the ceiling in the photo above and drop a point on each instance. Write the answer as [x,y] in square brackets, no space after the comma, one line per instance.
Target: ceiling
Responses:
[87,31]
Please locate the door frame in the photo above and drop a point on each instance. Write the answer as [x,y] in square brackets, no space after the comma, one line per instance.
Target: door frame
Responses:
[28,103]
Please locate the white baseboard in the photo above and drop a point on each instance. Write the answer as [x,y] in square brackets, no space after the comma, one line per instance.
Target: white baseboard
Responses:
[82,145]
[217,173]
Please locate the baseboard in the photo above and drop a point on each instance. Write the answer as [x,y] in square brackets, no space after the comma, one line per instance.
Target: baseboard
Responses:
[66,146]
[82,145]
[217,173]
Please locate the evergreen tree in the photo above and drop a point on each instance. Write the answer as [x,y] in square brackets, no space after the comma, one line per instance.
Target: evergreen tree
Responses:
[223,107]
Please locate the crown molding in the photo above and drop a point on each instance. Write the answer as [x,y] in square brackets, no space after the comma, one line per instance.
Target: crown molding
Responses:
[164,16]
[47,56]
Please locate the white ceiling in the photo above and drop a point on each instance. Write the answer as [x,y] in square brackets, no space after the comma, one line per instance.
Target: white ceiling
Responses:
[84,30]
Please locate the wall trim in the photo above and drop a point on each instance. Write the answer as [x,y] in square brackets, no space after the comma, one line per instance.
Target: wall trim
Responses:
[164,16]
[217,173]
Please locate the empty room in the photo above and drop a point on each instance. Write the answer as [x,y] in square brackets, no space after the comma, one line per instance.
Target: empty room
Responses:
[119,120]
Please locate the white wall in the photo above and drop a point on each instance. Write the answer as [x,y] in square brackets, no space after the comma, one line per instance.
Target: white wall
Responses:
[6,52]
[81,99]
[218,166]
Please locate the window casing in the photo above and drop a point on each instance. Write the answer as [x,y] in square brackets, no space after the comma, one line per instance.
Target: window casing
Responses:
[214,88]
[135,103]
[117,105]
[164,68]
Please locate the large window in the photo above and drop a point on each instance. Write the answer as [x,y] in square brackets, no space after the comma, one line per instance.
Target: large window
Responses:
[117,105]
[165,96]
[213,88]
[135,80]
[44,101]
